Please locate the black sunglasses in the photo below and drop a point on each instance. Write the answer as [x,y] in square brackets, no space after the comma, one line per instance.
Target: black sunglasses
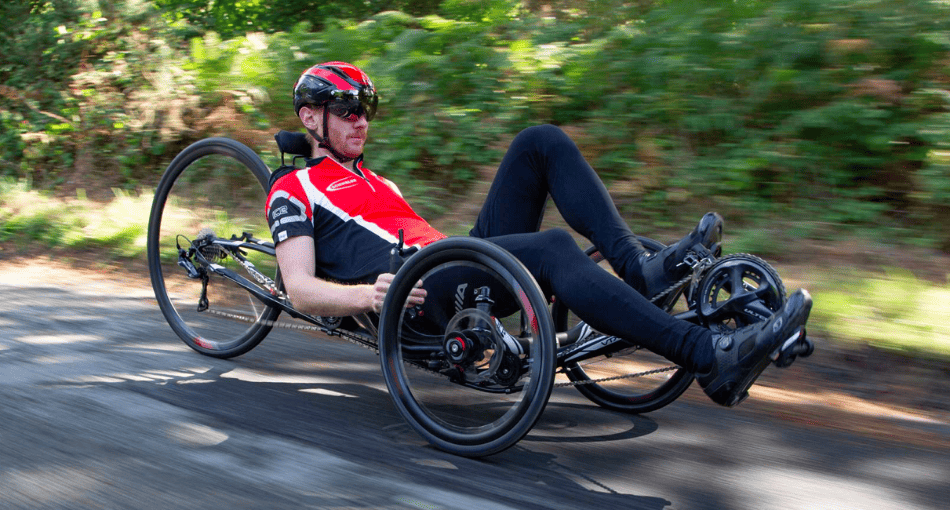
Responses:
[351,105]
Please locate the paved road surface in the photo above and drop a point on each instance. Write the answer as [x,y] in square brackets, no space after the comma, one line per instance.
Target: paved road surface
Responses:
[101,406]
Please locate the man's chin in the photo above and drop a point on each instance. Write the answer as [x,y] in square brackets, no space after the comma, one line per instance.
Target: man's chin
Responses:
[353,153]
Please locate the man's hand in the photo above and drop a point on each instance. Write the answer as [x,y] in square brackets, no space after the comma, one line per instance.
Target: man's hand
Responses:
[416,297]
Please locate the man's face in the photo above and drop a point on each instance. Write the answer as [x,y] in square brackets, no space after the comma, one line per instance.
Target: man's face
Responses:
[348,136]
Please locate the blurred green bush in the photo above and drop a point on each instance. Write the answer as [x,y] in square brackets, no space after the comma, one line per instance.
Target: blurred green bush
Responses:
[837,111]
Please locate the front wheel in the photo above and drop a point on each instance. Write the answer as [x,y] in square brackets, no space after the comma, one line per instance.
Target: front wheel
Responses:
[477,383]
[657,381]
[215,187]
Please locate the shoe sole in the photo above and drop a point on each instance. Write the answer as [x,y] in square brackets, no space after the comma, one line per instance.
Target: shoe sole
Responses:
[742,392]
[712,221]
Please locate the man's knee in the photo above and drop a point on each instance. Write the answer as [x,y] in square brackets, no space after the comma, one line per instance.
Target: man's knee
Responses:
[557,237]
[559,245]
[541,135]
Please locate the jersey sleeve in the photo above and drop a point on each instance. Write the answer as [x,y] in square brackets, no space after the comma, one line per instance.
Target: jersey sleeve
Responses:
[287,215]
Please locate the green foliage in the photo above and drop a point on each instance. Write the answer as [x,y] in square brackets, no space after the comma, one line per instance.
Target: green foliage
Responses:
[39,52]
[30,216]
[234,18]
[838,110]
[769,102]
[894,311]
[127,96]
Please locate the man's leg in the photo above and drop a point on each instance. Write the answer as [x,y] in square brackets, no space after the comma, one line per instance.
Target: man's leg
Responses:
[725,364]
[605,302]
[543,160]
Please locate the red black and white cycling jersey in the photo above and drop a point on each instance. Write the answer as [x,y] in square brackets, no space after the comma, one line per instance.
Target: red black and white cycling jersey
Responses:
[353,217]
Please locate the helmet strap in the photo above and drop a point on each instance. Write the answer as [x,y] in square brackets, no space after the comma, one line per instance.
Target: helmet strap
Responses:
[324,141]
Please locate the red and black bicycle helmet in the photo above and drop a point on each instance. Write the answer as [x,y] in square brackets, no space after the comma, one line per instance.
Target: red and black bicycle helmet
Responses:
[342,89]
[338,82]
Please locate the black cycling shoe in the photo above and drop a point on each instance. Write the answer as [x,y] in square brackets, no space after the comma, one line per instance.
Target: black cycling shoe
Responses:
[666,267]
[744,353]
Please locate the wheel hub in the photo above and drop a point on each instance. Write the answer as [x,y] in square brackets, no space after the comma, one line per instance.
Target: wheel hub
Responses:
[473,348]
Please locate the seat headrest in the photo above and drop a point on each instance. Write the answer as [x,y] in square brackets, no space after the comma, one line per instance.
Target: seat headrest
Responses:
[293,143]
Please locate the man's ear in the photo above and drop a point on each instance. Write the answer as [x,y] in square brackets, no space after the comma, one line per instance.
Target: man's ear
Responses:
[311,118]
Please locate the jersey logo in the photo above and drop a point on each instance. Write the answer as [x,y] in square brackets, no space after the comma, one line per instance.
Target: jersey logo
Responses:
[280,211]
[346,182]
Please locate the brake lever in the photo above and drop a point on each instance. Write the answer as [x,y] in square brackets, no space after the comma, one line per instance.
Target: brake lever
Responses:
[395,255]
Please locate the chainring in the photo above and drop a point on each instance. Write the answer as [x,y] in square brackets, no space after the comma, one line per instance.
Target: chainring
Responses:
[736,291]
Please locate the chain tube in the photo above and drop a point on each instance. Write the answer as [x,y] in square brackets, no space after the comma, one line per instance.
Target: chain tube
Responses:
[342,333]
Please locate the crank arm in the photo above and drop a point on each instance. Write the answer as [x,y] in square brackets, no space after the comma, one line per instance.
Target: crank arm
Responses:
[744,304]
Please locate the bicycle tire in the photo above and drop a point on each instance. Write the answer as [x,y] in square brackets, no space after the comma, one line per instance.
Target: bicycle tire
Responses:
[460,419]
[213,169]
[632,395]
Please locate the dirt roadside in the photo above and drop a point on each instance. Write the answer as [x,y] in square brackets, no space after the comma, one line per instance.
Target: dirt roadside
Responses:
[860,390]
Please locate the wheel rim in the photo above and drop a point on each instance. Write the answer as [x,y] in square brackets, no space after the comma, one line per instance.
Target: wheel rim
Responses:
[458,418]
[210,188]
[645,392]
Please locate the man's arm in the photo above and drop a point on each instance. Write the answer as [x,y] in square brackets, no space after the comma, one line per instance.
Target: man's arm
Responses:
[317,296]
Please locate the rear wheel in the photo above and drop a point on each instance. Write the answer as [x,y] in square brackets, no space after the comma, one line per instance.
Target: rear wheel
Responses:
[659,381]
[479,385]
[216,187]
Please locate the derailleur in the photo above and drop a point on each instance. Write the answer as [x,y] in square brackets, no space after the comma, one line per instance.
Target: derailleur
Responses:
[202,249]
[195,272]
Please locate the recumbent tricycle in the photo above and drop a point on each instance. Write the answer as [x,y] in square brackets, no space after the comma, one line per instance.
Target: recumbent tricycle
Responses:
[479,386]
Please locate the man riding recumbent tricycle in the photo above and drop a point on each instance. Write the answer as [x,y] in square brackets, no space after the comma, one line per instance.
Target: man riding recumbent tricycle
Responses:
[470,330]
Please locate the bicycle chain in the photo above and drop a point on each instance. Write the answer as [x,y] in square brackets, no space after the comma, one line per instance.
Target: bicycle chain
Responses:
[362,342]
[699,266]
[616,377]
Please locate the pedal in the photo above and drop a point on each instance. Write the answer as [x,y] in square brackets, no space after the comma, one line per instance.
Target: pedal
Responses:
[797,345]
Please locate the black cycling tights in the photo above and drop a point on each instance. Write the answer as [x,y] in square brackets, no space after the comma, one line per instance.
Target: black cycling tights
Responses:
[543,160]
